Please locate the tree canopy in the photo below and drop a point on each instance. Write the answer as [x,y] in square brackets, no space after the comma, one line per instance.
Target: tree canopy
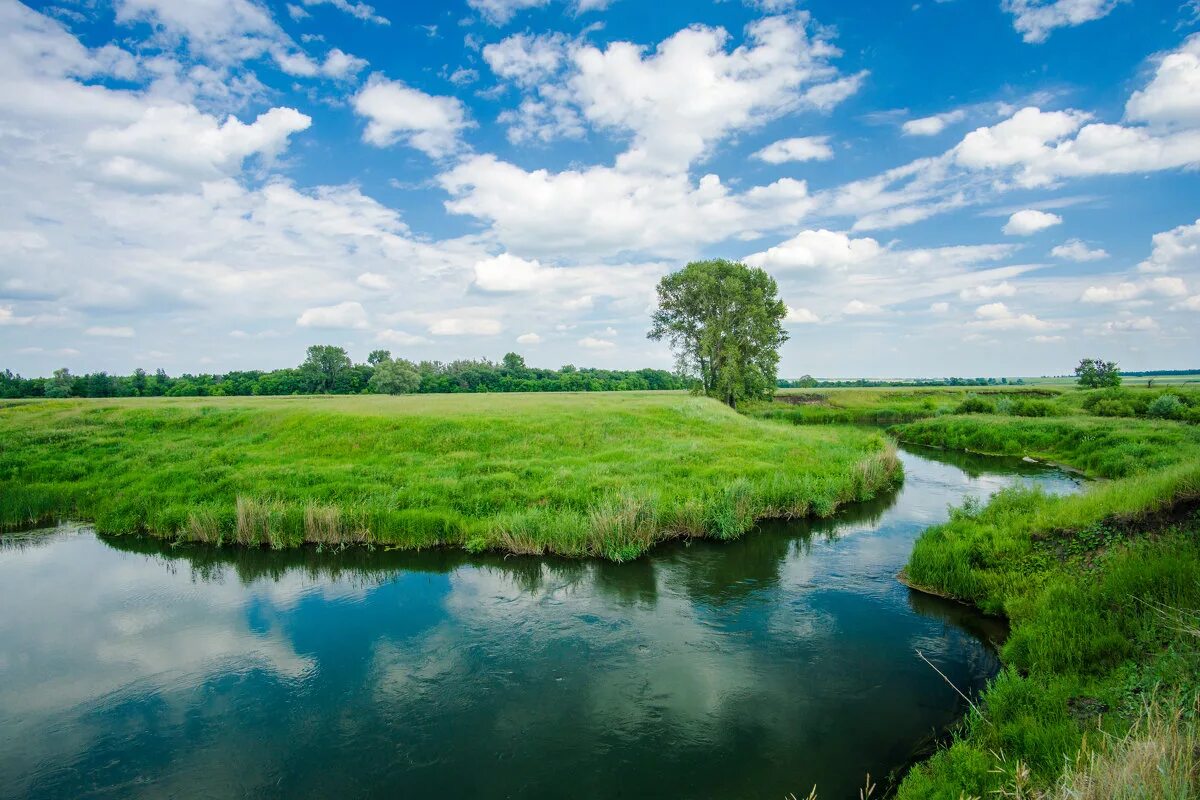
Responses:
[1096,373]
[724,322]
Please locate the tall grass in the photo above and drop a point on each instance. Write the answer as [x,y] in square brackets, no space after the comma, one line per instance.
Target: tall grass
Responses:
[597,474]
[1085,580]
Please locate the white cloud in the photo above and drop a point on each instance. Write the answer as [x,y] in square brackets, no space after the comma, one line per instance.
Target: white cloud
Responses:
[500,12]
[1035,19]
[998,316]
[1131,324]
[529,338]
[348,314]
[10,317]
[1042,338]
[817,249]
[592,343]
[933,125]
[858,307]
[1030,221]
[1173,96]
[113,332]
[373,280]
[1076,250]
[338,64]
[800,316]
[1178,248]
[677,101]
[602,212]
[803,148]
[397,112]
[362,11]
[1190,304]
[940,307]
[528,59]
[465,326]
[986,291]
[1164,286]
[171,144]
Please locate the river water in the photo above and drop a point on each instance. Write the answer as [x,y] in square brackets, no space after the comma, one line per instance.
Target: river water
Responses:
[745,669]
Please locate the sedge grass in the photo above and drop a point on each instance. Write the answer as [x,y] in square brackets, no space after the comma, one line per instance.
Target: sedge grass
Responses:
[574,474]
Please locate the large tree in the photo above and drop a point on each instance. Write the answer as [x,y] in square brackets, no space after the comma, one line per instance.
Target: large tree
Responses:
[323,365]
[724,321]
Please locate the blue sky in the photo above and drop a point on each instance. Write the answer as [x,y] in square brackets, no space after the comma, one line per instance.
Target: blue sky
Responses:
[994,187]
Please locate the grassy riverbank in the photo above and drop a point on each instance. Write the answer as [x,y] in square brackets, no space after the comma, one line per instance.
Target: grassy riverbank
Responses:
[1102,671]
[597,474]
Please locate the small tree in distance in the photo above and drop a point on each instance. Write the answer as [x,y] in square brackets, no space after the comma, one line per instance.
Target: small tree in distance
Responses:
[724,321]
[1096,373]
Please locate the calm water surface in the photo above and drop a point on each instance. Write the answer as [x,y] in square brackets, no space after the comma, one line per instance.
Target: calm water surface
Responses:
[747,669]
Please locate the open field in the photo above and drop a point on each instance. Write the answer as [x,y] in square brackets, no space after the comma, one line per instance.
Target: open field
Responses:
[572,474]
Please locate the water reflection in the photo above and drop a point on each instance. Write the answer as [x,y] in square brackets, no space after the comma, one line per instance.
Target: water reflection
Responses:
[752,668]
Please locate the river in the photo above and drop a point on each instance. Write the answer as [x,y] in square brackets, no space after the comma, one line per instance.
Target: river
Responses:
[130,668]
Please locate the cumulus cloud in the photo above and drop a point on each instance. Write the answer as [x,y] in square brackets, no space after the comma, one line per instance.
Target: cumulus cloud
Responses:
[1036,19]
[401,338]
[604,211]
[998,316]
[932,125]
[1030,221]
[171,144]
[800,316]
[803,148]
[529,338]
[1178,248]
[858,307]
[1173,96]
[396,112]
[676,101]
[348,314]
[1076,250]
[594,343]
[821,249]
[1164,286]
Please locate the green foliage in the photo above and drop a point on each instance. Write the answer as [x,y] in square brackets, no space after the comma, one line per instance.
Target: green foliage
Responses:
[724,321]
[974,404]
[1165,406]
[324,364]
[394,377]
[1031,408]
[601,474]
[1095,373]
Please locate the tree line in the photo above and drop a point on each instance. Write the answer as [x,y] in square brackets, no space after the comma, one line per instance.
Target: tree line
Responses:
[328,369]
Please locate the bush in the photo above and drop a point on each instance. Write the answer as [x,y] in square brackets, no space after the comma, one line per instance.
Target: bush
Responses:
[1031,408]
[1113,408]
[1165,406]
[974,404]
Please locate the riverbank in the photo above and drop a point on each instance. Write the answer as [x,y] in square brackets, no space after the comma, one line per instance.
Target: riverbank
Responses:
[605,475]
[1102,671]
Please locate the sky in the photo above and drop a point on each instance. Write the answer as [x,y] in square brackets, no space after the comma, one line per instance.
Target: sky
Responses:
[954,187]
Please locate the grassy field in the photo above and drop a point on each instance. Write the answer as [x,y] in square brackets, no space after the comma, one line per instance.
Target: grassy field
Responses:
[573,474]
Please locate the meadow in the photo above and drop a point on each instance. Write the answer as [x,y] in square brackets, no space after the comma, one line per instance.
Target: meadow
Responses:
[594,474]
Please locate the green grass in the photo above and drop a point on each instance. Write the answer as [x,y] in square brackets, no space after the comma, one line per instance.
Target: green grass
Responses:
[1103,593]
[574,474]
[889,405]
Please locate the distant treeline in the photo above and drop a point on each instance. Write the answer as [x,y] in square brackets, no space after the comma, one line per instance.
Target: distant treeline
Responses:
[329,370]
[809,382]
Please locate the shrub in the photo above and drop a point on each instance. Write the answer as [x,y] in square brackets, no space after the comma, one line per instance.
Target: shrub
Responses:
[1112,408]
[1031,408]
[1165,406]
[974,404]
